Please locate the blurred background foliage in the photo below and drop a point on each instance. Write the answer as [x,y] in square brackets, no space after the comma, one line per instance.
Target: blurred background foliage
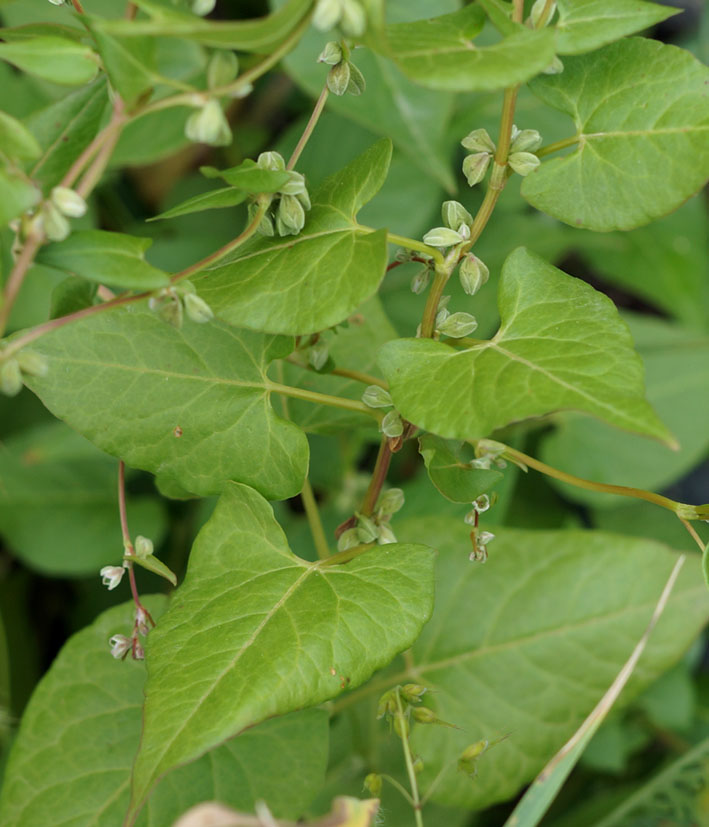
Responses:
[657,750]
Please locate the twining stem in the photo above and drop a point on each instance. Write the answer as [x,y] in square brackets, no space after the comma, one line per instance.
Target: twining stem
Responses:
[113,132]
[127,542]
[418,816]
[309,127]
[682,510]
[314,521]
[323,399]
[379,475]
[693,533]
[77,6]
[16,277]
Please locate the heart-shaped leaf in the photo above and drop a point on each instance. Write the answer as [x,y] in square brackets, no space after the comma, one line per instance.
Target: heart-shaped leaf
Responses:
[192,405]
[255,631]
[561,345]
[306,283]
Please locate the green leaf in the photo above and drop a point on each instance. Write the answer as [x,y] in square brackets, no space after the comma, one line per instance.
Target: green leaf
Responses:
[156,566]
[250,177]
[262,36]
[309,282]
[439,54]
[561,346]
[17,195]
[152,137]
[213,200]
[52,471]
[584,25]
[64,129]
[129,62]
[73,755]
[414,118]
[108,258]
[52,58]
[526,645]
[353,347]
[70,295]
[15,140]
[677,388]
[642,124]
[664,263]
[255,631]
[451,473]
[192,405]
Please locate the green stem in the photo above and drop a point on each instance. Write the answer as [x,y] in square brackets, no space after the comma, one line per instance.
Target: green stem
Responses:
[345,556]
[545,15]
[557,145]
[412,244]
[308,131]
[682,510]
[346,373]
[379,475]
[17,276]
[430,310]
[323,399]
[418,816]
[314,521]
[399,787]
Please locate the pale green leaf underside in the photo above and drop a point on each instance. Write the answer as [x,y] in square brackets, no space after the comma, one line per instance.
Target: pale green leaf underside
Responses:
[71,762]
[302,284]
[641,112]
[191,405]
[527,644]
[261,35]
[439,53]
[255,631]
[561,345]
[585,25]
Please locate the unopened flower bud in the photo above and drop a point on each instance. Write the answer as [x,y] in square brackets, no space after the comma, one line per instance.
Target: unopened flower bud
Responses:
[526,140]
[537,11]
[138,651]
[223,67]
[141,621]
[32,363]
[473,274]
[385,535]
[290,218]
[294,185]
[111,576]
[442,237]
[523,162]
[55,224]
[485,537]
[420,281]
[171,311]
[464,231]
[441,316]
[392,425]
[475,167]
[401,726]
[208,125]
[338,78]
[387,704]
[353,19]
[418,764]
[376,397]
[271,160]
[317,354]
[57,2]
[304,199]
[348,539]
[470,517]
[478,141]
[556,67]
[454,214]
[203,7]
[367,530]
[458,325]
[390,502]
[331,54]
[143,546]
[326,15]
[413,692]
[373,784]
[357,83]
[474,750]
[68,202]
[424,715]
[120,646]
[10,377]
[266,226]
[197,309]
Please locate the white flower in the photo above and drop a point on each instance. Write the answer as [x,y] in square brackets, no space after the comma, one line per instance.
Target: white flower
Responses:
[111,576]
[141,621]
[120,644]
